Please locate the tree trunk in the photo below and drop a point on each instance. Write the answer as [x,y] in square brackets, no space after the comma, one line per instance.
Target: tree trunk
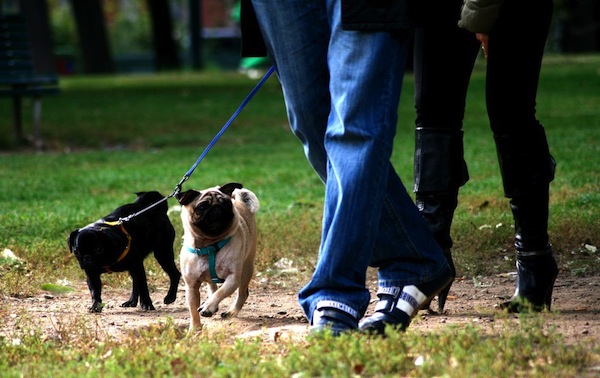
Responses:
[581,26]
[93,36]
[37,18]
[166,56]
[196,42]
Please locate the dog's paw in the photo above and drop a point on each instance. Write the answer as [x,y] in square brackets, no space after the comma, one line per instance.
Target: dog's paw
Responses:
[130,303]
[229,314]
[169,299]
[195,329]
[206,313]
[148,307]
[96,307]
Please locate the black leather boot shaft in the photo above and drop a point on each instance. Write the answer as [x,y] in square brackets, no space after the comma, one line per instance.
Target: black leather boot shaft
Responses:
[439,160]
[440,169]
[525,162]
[530,213]
[527,169]
[438,211]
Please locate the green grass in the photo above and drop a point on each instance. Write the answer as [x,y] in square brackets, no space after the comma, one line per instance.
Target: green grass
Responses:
[109,137]
[506,349]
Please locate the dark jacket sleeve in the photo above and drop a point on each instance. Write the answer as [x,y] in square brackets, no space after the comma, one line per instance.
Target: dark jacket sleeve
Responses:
[479,16]
[364,15]
[253,43]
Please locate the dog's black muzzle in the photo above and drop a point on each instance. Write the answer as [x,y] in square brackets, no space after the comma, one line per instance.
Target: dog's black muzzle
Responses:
[215,219]
[85,261]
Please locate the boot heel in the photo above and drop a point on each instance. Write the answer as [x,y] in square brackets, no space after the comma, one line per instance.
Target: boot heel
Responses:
[443,294]
[548,298]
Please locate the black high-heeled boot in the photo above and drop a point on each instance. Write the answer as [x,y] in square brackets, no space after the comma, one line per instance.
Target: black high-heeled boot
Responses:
[527,169]
[438,211]
[440,169]
[536,267]
[536,273]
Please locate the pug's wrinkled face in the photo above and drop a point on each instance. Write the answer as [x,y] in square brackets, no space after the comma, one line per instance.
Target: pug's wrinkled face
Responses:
[210,211]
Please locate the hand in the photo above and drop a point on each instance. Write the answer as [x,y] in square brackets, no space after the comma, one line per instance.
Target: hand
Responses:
[483,38]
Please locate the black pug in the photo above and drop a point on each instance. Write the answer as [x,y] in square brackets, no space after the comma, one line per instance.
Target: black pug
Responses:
[107,246]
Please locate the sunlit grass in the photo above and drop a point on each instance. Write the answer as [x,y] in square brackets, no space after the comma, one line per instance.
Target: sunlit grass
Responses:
[504,348]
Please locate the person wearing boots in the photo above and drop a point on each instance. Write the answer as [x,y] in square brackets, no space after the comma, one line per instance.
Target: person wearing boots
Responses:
[512,34]
[439,166]
[341,65]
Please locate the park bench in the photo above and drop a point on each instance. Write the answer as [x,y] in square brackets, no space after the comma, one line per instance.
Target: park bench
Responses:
[19,77]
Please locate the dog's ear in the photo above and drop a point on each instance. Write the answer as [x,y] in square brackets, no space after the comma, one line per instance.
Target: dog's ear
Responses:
[229,188]
[148,198]
[71,239]
[140,196]
[186,197]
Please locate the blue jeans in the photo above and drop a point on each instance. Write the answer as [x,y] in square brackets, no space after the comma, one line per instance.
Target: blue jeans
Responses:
[342,90]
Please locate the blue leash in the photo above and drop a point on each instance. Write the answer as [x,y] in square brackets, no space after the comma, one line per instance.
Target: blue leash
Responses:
[177,189]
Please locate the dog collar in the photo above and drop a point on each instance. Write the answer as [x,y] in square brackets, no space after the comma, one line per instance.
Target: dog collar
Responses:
[127,248]
[211,252]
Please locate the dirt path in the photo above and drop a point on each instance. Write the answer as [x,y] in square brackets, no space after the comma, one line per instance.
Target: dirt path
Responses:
[272,310]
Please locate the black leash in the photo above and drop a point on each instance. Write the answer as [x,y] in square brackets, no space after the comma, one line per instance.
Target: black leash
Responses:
[177,189]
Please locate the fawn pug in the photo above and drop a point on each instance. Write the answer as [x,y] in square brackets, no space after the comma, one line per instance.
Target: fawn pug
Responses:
[219,246]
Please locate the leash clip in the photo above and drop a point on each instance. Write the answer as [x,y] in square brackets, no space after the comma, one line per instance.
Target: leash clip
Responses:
[177,189]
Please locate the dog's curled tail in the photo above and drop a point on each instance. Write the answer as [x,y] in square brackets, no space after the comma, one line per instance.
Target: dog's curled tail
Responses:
[248,198]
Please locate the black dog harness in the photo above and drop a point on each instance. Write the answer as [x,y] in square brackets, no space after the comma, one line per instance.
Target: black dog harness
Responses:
[211,252]
[127,248]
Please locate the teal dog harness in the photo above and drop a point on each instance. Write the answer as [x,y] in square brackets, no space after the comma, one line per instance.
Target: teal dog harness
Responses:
[211,252]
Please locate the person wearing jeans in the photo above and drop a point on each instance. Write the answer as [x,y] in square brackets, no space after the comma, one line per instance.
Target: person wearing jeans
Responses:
[341,65]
